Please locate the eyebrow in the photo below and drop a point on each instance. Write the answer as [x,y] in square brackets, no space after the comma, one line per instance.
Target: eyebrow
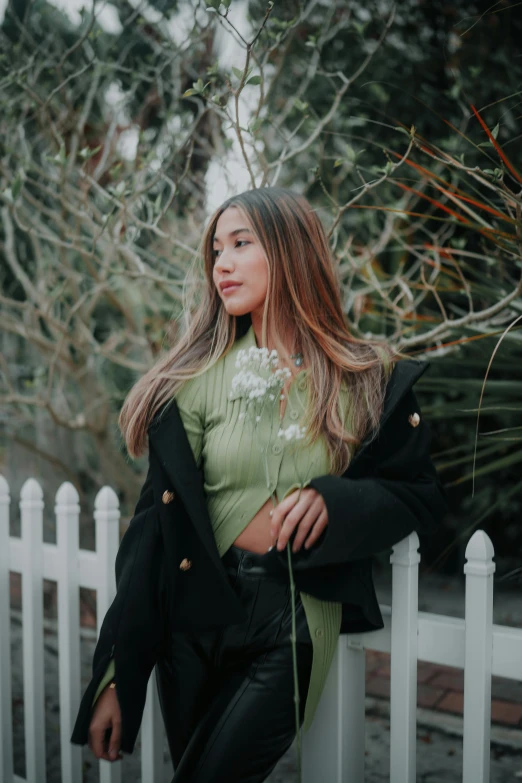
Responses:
[232,233]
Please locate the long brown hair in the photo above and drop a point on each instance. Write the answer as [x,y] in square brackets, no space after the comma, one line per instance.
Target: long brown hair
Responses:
[303,298]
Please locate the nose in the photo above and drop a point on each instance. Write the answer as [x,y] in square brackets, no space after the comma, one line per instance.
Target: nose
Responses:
[223,262]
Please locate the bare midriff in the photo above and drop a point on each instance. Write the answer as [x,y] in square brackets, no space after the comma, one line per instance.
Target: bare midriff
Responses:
[256,536]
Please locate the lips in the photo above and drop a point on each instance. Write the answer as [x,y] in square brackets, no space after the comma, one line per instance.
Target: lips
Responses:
[229,287]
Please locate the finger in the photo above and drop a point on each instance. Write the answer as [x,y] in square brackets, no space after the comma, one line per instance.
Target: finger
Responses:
[278,515]
[280,512]
[308,521]
[288,528]
[305,526]
[106,742]
[292,519]
[96,736]
[317,529]
[114,745]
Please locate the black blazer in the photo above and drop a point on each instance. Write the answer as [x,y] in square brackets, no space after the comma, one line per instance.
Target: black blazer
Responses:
[389,489]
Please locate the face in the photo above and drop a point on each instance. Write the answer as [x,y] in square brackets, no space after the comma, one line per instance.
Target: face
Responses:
[239,257]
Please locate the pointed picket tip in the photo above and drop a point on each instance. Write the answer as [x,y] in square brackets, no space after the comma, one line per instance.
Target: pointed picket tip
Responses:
[31,490]
[479,548]
[408,544]
[67,494]
[106,500]
[405,552]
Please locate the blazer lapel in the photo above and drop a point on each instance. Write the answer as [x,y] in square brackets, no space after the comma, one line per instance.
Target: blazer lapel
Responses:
[170,442]
[405,374]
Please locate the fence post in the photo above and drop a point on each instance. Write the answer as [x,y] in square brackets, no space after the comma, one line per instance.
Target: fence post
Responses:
[479,571]
[6,718]
[67,511]
[31,507]
[403,660]
[353,737]
[329,749]
[152,735]
[106,517]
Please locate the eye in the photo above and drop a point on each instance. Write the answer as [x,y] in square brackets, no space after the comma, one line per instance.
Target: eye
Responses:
[243,241]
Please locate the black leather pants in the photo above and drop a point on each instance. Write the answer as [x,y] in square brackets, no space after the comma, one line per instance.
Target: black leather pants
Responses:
[227,695]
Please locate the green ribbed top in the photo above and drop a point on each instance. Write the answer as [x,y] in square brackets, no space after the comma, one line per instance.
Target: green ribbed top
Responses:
[236,477]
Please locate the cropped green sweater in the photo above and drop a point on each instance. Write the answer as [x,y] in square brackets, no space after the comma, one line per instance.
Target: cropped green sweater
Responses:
[239,477]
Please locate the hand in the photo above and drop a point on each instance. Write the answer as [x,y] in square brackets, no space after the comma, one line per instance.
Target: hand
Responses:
[106,720]
[309,512]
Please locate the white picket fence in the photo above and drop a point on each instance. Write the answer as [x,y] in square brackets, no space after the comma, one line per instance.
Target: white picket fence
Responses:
[333,749]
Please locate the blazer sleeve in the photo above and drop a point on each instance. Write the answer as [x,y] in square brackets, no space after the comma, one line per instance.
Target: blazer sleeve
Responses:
[132,631]
[144,501]
[373,507]
[106,679]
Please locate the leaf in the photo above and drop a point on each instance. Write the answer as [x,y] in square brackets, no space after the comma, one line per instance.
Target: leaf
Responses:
[87,152]
[300,105]
[60,157]
[119,189]
[383,169]
[454,91]
[255,124]
[350,153]
[16,186]
[254,80]
[359,27]
[237,73]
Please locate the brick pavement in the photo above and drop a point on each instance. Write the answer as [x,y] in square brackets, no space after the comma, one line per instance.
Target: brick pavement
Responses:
[441,688]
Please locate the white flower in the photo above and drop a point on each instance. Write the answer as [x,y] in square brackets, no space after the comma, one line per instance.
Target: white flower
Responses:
[292,432]
[258,356]
[255,381]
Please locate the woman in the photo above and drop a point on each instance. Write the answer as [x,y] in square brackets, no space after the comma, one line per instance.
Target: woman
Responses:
[202,571]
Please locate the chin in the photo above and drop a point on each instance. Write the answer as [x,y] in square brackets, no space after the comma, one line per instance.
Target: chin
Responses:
[237,309]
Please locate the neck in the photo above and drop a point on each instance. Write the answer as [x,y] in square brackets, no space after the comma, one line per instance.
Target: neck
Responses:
[284,345]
